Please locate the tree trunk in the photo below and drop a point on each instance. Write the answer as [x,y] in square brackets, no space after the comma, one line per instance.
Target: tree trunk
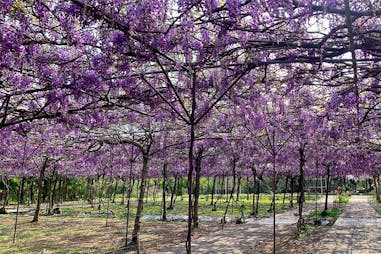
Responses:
[231,191]
[213,189]
[190,178]
[40,189]
[327,190]
[173,194]
[238,187]
[226,189]
[154,190]
[109,195]
[253,206]
[6,193]
[274,196]
[115,190]
[46,189]
[59,198]
[147,189]
[139,208]
[164,205]
[31,192]
[180,188]
[292,192]
[51,194]
[301,186]
[22,191]
[197,188]
[90,191]
[64,189]
[247,188]
[129,192]
[124,180]
[222,187]
[17,208]
[285,191]
[100,193]
[257,205]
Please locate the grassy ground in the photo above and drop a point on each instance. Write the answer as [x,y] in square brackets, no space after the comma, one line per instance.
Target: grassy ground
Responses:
[83,235]
[81,229]
[333,213]
[181,206]
[376,206]
[342,199]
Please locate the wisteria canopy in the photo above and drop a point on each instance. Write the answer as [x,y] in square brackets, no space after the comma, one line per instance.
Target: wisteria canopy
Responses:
[119,88]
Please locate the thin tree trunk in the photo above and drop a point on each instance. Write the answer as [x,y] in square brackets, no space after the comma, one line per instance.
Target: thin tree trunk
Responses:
[285,191]
[327,190]
[253,207]
[17,208]
[52,196]
[238,187]
[88,190]
[301,187]
[292,192]
[274,196]
[115,190]
[154,190]
[164,205]
[59,198]
[190,178]
[30,192]
[173,194]
[139,208]
[6,193]
[213,189]
[231,191]
[129,192]
[247,188]
[123,190]
[109,194]
[257,205]
[226,188]
[22,190]
[197,188]
[40,189]
[147,189]
[64,189]
[180,188]
[222,190]
[100,194]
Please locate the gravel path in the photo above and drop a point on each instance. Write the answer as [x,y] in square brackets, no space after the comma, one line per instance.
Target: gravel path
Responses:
[358,230]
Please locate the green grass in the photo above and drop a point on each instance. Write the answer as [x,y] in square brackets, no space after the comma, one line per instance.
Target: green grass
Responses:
[376,206]
[342,199]
[181,206]
[334,213]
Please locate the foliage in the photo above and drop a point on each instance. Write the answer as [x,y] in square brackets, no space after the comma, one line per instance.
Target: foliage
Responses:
[334,213]
[342,199]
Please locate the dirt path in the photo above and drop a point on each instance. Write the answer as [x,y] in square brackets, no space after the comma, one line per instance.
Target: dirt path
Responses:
[242,238]
[358,230]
